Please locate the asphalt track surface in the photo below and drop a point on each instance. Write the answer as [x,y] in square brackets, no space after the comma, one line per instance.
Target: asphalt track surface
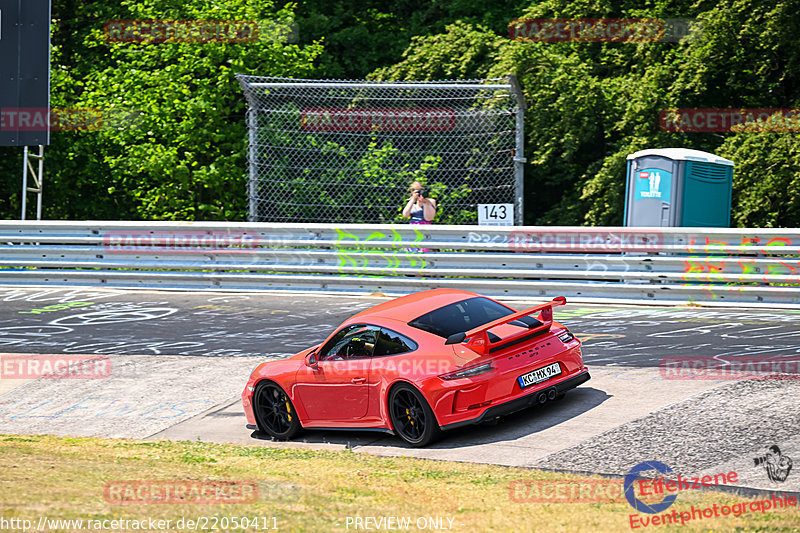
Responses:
[178,363]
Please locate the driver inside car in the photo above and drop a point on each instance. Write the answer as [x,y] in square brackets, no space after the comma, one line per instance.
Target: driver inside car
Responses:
[359,347]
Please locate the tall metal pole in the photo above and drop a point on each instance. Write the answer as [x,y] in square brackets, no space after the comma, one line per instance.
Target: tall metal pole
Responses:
[40,184]
[38,180]
[252,184]
[24,180]
[519,152]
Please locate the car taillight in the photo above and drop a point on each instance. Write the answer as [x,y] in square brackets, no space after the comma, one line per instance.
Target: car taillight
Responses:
[476,370]
[566,337]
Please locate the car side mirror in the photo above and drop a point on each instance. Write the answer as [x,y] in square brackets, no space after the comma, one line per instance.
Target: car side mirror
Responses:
[311,360]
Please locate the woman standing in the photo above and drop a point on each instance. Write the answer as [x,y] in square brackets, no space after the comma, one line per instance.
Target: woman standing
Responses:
[420,209]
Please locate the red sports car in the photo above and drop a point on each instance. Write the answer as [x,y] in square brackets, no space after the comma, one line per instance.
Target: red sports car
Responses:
[417,365]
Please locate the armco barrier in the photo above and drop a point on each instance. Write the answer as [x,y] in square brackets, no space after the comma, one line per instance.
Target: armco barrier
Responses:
[669,265]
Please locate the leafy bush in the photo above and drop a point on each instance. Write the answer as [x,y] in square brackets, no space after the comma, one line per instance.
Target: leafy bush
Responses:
[184,157]
[592,104]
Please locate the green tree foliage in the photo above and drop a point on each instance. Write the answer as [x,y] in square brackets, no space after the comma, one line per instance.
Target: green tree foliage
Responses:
[176,147]
[592,104]
[589,104]
[362,35]
[361,178]
[10,182]
[766,180]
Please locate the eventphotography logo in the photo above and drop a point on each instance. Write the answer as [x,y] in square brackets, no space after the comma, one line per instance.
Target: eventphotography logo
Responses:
[632,477]
[776,465]
[663,493]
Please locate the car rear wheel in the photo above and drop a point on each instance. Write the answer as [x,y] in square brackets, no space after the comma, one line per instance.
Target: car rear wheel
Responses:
[412,417]
[274,411]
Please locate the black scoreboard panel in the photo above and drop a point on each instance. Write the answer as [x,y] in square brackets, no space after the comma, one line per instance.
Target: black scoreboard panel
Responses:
[24,71]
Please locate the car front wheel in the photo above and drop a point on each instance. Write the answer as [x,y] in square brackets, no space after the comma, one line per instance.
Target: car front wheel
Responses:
[274,411]
[412,417]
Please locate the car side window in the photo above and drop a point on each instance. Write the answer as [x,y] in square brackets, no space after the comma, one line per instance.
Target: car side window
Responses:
[352,342]
[391,343]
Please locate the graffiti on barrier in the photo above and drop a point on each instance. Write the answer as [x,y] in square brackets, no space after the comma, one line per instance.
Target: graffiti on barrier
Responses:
[360,259]
[741,269]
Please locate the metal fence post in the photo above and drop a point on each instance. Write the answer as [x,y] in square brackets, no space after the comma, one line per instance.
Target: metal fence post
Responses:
[38,180]
[519,152]
[24,181]
[252,185]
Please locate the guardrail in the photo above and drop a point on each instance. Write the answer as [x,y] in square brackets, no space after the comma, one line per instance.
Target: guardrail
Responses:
[666,265]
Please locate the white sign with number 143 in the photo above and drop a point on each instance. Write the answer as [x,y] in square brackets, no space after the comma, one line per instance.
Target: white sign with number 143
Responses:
[496,214]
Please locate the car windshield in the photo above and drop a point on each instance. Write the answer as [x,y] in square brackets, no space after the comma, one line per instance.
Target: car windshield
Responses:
[460,317]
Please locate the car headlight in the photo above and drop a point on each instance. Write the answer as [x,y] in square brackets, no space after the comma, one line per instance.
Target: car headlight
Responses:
[469,372]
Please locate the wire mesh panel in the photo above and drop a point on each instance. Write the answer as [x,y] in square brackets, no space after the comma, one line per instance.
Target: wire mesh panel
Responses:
[335,151]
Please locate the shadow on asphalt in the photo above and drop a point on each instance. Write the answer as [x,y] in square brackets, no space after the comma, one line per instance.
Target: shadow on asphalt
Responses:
[509,428]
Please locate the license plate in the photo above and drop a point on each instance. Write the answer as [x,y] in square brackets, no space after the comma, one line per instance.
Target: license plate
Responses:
[539,375]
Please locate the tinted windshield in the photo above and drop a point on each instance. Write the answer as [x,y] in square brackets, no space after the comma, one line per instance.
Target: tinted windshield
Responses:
[460,316]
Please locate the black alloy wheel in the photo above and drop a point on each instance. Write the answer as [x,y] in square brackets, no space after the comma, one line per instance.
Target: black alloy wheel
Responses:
[412,417]
[274,411]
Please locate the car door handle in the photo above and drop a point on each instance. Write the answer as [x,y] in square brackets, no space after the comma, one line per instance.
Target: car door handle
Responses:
[358,380]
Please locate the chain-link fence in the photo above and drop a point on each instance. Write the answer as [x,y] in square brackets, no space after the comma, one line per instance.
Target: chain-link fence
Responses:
[335,151]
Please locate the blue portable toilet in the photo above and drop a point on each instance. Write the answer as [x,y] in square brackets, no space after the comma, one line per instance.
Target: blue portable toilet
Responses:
[669,187]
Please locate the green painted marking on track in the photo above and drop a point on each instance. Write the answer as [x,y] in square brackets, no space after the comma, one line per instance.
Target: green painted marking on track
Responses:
[574,313]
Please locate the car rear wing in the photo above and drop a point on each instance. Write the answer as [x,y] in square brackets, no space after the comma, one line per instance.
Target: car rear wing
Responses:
[477,339]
